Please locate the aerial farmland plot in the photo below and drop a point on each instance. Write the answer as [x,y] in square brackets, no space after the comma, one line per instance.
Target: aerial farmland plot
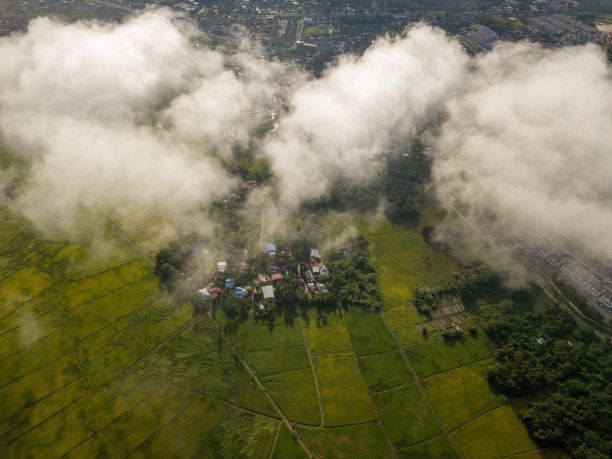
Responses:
[89,334]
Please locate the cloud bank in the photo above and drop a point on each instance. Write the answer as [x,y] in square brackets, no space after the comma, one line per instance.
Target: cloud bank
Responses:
[132,120]
[528,140]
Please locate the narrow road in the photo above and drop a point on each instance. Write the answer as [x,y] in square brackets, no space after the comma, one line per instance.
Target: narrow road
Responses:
[288,423]
[127,238]
[420,387]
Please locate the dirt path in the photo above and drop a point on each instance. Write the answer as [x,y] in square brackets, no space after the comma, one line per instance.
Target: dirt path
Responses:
[420,387]
[128,239]
[284,418]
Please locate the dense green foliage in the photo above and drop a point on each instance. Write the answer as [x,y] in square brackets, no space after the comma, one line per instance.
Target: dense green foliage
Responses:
[352,278]
[571,364]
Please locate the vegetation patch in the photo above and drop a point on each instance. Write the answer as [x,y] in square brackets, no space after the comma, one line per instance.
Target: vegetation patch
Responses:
[368,332]
[406,415]
[438,357]
[461,394]
[494,434]
[397,288]
[390,262]
[403,316]
[439,447]
[240,434]
[384,371]
[343,394]
[296,395]
[326,331]
[278,359]
[358,441]
[287,446]
[395,242]
[282,335]
[252,398]
[130,430]
[163,329]
[76,423]
[186,432]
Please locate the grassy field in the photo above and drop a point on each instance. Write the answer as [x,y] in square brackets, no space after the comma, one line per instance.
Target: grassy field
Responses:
[280,335]
[384,371]
[359,441]
[461,394]
[494,434]
[186,432]
[397,288]
[439,447]
[403,316]
[368,332]
[278,359]
[344,395]
[406,415]
[326,331]
[296,394]
[438,357]
[287,447]
[239,434]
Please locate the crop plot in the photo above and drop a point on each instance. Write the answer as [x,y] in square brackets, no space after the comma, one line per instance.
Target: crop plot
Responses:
[384,371]
[288,447]
[356,441]
[438,357]
[131,429]
[326,332]
[296,395]
[239,434]
[278,359]
[461,394]
[184,435]
[397,288]
[494,434]
[265,337]
[368,332]
[438,447]
[343,394]
[406,415]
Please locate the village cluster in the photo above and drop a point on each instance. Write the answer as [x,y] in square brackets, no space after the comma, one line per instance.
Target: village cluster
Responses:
[311,279]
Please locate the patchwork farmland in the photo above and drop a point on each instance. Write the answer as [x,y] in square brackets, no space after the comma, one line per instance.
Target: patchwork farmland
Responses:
[95,361]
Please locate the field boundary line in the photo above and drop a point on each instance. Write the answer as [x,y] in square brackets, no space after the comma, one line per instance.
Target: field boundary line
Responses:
[523,452]
[376,353]
[479,415]
[314,373]
[34,370]
[25,348]
[172,335]
[212,432]
[378,418]
[40,399]
[458,366]
[29,301]
[132,408]
[404,384]
[48,417]
[127,238]
[289,424]
[201,394]
[278,428]
[100,272]
[247,351]
[421,390]
[162,426]
[433,437]
[110,292]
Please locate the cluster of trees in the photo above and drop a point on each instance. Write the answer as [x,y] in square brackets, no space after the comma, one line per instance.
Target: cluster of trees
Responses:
[476,280]
[573,370]
[173,260]
[352,277]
